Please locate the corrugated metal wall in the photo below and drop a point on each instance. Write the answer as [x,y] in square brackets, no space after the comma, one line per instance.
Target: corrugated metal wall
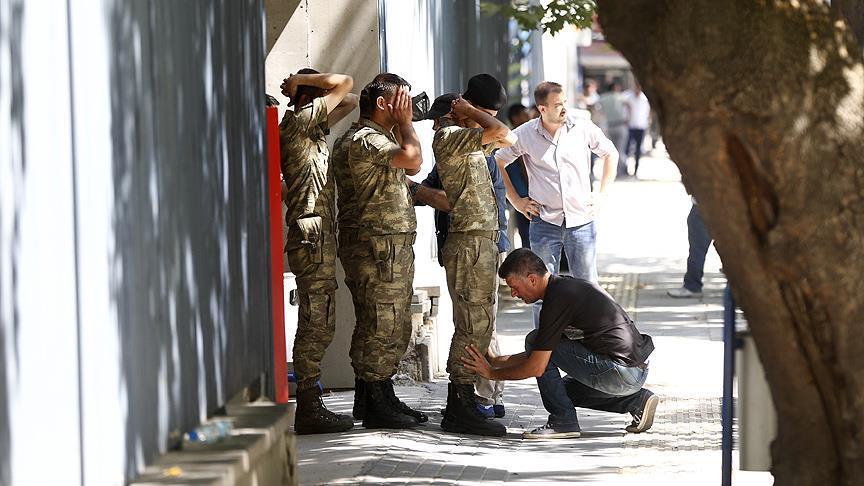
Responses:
[135,163]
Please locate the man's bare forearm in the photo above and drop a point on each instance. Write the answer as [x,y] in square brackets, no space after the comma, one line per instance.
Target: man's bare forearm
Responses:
[323,80]
[432,197]
[610,168]
[507,360]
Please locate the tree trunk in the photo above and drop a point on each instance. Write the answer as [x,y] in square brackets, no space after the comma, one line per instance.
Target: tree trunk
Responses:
[762,107]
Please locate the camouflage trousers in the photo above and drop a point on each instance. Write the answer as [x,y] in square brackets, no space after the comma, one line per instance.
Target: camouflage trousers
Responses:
[315,269]
[471,263]
[350,251]
[379,271]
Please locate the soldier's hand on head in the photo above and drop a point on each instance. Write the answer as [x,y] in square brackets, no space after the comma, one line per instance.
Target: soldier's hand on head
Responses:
[460,107]
[400,108]
[289,86]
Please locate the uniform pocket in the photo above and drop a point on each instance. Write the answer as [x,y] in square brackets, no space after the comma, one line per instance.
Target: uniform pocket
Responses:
[477,305]
[382,252]
[385,319]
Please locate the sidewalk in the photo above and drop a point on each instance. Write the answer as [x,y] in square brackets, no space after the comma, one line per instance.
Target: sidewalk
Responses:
[642,239]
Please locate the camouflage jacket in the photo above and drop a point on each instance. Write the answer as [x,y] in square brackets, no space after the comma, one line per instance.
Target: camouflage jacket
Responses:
[346,202]
[462,168]
[384,203]
[304,162]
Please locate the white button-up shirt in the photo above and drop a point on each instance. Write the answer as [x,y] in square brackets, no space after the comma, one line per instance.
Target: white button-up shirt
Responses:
[558,171]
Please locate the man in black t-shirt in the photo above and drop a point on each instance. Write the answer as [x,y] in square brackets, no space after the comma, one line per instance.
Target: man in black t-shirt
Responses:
[584,332]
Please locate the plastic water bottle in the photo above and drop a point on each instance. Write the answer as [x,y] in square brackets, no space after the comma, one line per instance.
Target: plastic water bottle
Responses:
[208,433]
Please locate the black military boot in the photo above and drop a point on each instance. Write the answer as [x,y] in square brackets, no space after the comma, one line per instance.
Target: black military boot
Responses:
[380,412]
[462,417]
[359,399]
[399,405]
[312,417]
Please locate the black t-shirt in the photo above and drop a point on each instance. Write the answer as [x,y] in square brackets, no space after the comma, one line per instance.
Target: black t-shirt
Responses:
[580,304]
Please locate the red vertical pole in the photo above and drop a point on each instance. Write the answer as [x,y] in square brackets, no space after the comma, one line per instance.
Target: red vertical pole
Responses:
[274,199]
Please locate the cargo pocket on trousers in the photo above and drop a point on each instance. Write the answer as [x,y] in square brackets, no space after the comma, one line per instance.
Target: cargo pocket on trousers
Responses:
[478,304]
[383,253]
[321,314]
[385,319]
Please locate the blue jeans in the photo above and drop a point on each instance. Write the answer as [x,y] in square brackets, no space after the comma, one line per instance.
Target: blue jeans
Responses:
[635,137]
[593,381]
[700,240]
[578,243]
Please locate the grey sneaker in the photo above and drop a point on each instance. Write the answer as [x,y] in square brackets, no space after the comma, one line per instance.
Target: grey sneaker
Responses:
[683,293]
[549,431]
[644,418]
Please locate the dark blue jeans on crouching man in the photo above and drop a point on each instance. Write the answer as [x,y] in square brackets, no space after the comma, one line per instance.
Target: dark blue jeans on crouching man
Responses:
[593,381]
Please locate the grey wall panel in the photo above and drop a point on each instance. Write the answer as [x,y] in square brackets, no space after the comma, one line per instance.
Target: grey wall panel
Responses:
[189,267]
[467,42]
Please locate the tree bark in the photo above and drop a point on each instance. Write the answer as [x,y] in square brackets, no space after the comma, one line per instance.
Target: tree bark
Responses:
[851,12]
[761,104]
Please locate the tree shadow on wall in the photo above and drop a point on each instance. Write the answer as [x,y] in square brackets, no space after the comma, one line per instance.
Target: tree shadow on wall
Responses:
[190,269]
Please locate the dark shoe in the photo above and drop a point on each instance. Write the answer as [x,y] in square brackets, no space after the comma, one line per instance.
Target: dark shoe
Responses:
[359,409]
[499,410]
[462,417]
[399,405]
[644,417]
[312,417]
[550,431]
[380,412]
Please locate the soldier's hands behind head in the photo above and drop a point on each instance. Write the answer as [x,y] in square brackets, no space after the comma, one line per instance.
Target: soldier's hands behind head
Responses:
[460,108]
[289,86]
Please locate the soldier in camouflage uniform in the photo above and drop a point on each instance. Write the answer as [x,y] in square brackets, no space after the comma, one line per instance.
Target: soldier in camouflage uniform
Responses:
[378,254]
[470,253]
[319,100]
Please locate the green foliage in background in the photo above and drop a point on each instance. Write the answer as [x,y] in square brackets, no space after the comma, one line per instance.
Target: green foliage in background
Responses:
[549,18]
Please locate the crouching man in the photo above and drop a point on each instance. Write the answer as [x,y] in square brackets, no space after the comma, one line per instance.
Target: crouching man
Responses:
[582,331]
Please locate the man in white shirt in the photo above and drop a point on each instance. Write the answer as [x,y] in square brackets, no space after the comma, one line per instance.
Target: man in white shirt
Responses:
[557,150]
[638,115]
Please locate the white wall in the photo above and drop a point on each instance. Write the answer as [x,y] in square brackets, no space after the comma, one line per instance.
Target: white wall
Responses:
[39,418]
[411,54]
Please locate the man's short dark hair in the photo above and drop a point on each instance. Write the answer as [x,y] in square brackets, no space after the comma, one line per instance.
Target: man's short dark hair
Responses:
[306,93]
[514,110]
[521,263]
[384,84]
[544,89]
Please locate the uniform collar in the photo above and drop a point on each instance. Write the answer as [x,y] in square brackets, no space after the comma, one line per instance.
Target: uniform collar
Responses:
[366,122]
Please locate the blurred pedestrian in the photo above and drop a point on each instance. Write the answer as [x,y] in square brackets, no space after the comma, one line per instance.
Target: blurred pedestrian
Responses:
[700,241]
[638,116]
[611,104]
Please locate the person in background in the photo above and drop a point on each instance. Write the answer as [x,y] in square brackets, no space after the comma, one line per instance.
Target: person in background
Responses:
[556,149]
[638,115]
[700,241]
[517,114]
[611,104]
